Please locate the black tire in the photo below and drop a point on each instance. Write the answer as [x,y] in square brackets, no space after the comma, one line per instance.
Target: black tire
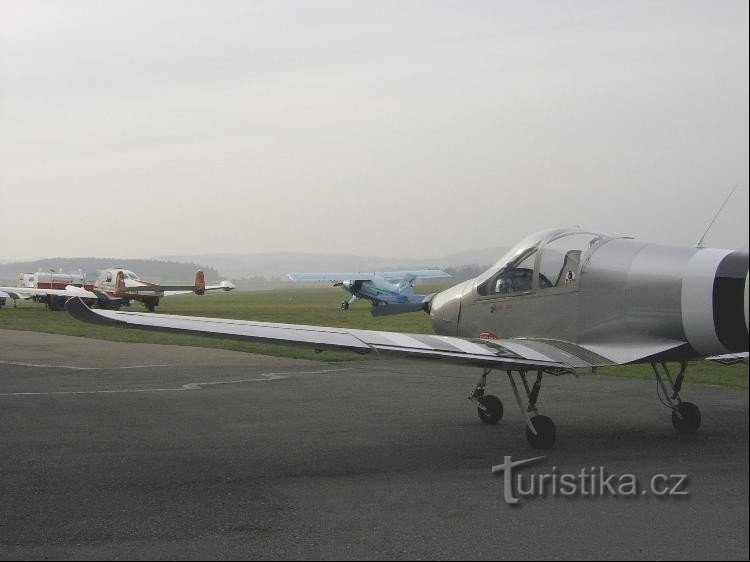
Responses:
[546,433]
[691,418]
[493,409]
[344,305]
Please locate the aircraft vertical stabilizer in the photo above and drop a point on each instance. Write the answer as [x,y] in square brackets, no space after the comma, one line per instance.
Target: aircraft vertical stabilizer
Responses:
[200,283]
[406,285]
[120,288]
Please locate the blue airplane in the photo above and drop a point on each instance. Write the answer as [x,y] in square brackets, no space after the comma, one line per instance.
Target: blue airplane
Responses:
[390,292]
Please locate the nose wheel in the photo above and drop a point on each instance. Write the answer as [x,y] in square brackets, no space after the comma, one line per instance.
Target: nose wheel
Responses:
[490,409]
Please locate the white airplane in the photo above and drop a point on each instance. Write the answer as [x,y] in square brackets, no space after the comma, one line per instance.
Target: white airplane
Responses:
[116,287]
[560,301]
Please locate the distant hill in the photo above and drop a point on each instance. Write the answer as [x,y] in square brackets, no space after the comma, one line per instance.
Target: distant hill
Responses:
[255,268]
[276,265]
[160,271]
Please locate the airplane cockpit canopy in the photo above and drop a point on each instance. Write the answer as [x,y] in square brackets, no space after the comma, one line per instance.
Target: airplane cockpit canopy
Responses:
[550,259]
[110,275]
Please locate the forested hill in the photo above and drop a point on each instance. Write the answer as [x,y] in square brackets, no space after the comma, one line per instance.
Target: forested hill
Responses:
[150,270]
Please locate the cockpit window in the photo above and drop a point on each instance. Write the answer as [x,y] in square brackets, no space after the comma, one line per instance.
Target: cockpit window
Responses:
[549,259]
[561,259]
[516,277]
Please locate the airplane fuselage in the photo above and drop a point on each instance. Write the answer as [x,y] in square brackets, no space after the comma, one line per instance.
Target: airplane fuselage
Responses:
[615,289]
[379,291]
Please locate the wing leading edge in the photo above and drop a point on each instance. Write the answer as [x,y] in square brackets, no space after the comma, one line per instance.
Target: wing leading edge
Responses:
[28,292]
[497,354]
[360,276]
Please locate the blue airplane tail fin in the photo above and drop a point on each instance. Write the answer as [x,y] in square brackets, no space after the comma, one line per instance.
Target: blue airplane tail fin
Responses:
[406,285]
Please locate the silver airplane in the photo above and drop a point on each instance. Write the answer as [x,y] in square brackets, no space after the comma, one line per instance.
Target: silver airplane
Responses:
[560,301]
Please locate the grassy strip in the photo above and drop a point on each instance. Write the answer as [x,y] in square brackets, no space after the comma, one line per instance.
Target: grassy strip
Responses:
[318,307]
[698,372]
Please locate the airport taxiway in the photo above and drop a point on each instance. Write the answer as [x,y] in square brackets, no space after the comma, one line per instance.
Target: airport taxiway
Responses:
[114,450]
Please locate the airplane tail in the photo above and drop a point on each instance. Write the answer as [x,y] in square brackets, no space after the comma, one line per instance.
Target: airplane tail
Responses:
[120,288]
[406,285]
[200,283]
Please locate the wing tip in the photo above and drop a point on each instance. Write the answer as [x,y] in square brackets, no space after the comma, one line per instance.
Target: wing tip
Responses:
[78,310]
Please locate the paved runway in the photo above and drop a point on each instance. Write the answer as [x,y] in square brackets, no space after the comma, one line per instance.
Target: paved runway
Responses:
[112,450]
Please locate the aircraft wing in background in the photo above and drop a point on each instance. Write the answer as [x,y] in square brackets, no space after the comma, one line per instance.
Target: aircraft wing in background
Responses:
[170,290]
[223,286]
[28,292]
[368,276]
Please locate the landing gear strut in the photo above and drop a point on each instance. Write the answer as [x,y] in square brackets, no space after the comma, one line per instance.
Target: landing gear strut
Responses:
[686,417]
[346,304]
[489,407]
[540,430]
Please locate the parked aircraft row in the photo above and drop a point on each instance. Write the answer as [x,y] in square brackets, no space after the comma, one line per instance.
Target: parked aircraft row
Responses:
[114,288]
[560,301]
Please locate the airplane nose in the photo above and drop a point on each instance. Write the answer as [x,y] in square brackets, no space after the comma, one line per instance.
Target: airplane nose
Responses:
[445,309]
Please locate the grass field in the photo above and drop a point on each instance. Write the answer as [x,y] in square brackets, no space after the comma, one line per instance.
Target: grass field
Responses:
[308,306]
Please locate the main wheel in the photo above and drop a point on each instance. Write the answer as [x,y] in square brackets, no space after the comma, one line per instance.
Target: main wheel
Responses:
[492,411]
[691,418]
[345,305]
[545,433]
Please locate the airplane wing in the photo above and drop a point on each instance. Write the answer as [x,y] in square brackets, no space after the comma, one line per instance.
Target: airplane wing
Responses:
[142,288]
[170,290]
[360,276]
[505,354]
[28,292]
[9,294]
[223,286]
[418,273]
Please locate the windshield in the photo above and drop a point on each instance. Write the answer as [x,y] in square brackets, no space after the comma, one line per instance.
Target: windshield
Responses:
[552,258]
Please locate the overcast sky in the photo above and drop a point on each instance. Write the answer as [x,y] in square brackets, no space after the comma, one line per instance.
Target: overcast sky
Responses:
[405,128]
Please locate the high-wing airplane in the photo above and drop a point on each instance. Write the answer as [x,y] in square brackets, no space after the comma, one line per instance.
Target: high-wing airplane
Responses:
[560,301]
[116,287]
[390,292]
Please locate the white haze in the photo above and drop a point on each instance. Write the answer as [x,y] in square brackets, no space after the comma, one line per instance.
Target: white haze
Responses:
[400,129]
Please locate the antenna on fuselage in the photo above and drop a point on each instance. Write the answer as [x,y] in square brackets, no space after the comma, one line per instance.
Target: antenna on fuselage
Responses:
[716,216]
